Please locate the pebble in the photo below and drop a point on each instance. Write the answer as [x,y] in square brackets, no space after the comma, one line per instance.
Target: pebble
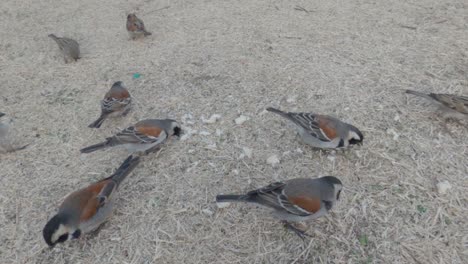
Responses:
[204,133]
[212,146]
[273,160]
[247,152]
[291,99]
[241,119]
[213,118]
[207,212]
[443,187]
[396,136]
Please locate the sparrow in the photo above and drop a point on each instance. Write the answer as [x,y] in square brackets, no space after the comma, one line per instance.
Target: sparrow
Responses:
[6,140]
[86,209]
[117,101]
[145,136]
[322,131]
[4,128]
[69,48]
[294,200]
[136,27]
[451,106]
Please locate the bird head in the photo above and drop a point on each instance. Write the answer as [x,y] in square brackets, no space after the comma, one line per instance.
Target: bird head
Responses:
[58,230]
[355,136]
[174,128]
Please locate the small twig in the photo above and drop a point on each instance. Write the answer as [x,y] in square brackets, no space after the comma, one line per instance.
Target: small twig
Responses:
[162,8]
[303,252]
[430,74]
[286,37]
[408,27]
[300,8]
[441,21]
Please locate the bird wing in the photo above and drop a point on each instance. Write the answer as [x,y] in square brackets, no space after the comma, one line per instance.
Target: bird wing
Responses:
[110,104]
[301,205]
[273,196]
[133,135]
[106,193]
[86,201]
[321,129]
[139,24]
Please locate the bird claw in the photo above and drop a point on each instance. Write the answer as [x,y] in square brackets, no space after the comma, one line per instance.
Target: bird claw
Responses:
[301,233]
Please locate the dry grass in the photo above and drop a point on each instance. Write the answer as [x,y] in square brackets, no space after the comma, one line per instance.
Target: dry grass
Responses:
[351,59]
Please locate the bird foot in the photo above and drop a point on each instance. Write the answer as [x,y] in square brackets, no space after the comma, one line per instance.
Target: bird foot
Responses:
[301,233]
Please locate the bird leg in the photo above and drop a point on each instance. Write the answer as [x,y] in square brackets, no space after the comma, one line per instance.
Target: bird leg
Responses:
[153,149]
[301,233]
[125,113]
[94,233]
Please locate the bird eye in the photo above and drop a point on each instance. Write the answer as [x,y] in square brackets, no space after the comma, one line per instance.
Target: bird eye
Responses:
[62,238]
[76,234]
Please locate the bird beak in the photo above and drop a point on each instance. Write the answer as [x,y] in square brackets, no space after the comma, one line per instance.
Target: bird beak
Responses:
[179,133]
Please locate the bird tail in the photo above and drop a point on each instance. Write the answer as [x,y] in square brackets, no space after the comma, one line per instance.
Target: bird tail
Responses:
[419,94]
[98,122]
[2,114]
[232,198]
[124,170]
[146,33]
[277,111]
[108,143]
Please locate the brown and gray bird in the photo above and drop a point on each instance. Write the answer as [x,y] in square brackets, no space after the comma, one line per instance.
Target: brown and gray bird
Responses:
[69,48]
[294,200]
[86,209]
[450,105]
[322,131]
[144,137]
[116,102]
[136,27]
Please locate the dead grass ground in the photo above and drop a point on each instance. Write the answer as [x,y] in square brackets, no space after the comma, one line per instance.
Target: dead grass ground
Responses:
[351,59]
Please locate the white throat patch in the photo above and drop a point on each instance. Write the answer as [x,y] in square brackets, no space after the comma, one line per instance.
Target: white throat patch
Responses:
[59,232]
[354,135]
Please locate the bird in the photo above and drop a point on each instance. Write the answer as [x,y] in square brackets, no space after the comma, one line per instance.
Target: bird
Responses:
[7,142]
[322,131]
[144,137]
[136,27]
[294,200]
[85,210]
[117,101]
[4,128]
[69,48]
[450,105]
